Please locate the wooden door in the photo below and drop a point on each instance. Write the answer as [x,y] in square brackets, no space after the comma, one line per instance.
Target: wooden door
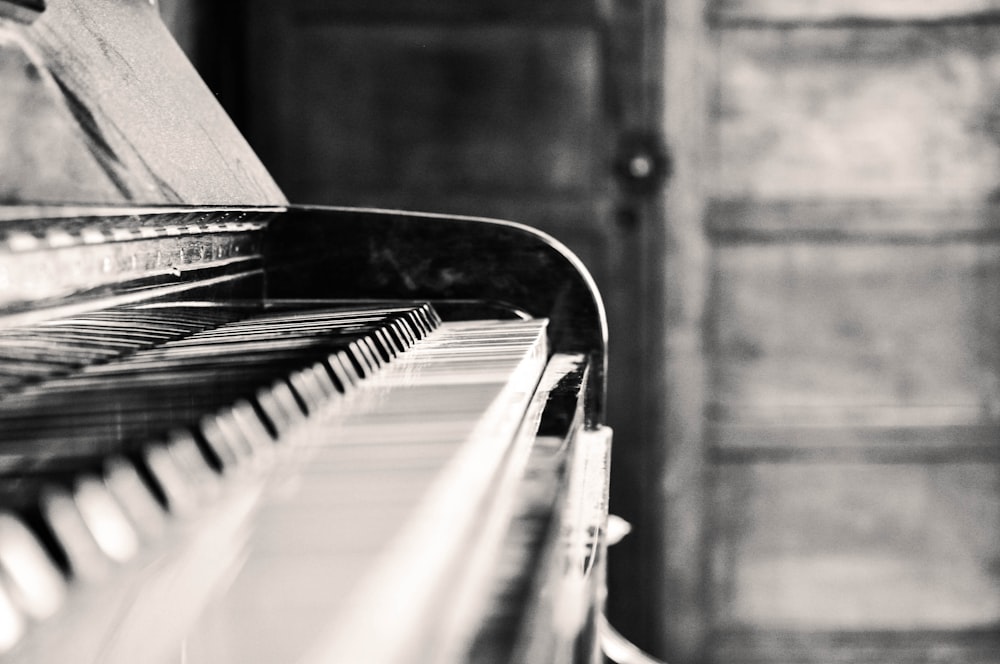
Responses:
[540,112]
[854,328]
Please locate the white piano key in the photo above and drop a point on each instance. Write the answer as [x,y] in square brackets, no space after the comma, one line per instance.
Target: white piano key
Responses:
[32,580]
[12,622]
[130,491]
[86,559]
[106,520]
[186,455]
[180,493]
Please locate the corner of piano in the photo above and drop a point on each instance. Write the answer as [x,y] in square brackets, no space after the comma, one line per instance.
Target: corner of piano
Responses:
[331,252]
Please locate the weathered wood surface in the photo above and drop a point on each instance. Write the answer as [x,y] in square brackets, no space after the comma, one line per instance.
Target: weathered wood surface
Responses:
[749,646]
[857,547]
[884,334]
[898,113]
[748,220]
[122,116]
[839,443]
[838,10]
[854,381]
[677,504]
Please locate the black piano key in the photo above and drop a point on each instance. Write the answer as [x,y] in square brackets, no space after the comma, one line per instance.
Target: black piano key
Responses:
[136,498]
[176,477]
[342,371]
[72,535]
[280,409]
[57,347]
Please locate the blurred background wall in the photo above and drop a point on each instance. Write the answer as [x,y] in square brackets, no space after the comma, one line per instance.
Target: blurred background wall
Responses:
[791,207]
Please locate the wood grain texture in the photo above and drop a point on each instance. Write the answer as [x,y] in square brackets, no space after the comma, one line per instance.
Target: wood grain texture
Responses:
[838,10]
[147,120]
[857,547]
[898,113]
[883,334]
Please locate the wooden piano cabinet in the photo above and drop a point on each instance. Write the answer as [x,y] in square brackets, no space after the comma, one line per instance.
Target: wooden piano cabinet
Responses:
[172,331]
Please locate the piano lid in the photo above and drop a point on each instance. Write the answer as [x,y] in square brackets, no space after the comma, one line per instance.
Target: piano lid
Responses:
[100,106]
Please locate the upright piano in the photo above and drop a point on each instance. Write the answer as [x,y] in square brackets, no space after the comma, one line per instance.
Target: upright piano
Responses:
[238,430]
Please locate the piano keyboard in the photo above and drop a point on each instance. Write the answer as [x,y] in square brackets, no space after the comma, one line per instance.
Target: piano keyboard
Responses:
[384,435]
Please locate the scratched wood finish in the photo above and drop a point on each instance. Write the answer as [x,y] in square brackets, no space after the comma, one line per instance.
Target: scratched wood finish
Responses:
[875,334]
[839,10]
[857,547]
[118,87]
[905,113]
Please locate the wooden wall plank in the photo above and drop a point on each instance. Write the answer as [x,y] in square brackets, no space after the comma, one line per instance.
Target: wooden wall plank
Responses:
[857,547]
[832,10]
[747,646]
[675,283]
[888,335]
[737,443]
[900,113]
[754,221]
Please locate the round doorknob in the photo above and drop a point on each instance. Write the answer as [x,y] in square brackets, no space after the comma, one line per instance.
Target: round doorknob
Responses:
[642,163]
